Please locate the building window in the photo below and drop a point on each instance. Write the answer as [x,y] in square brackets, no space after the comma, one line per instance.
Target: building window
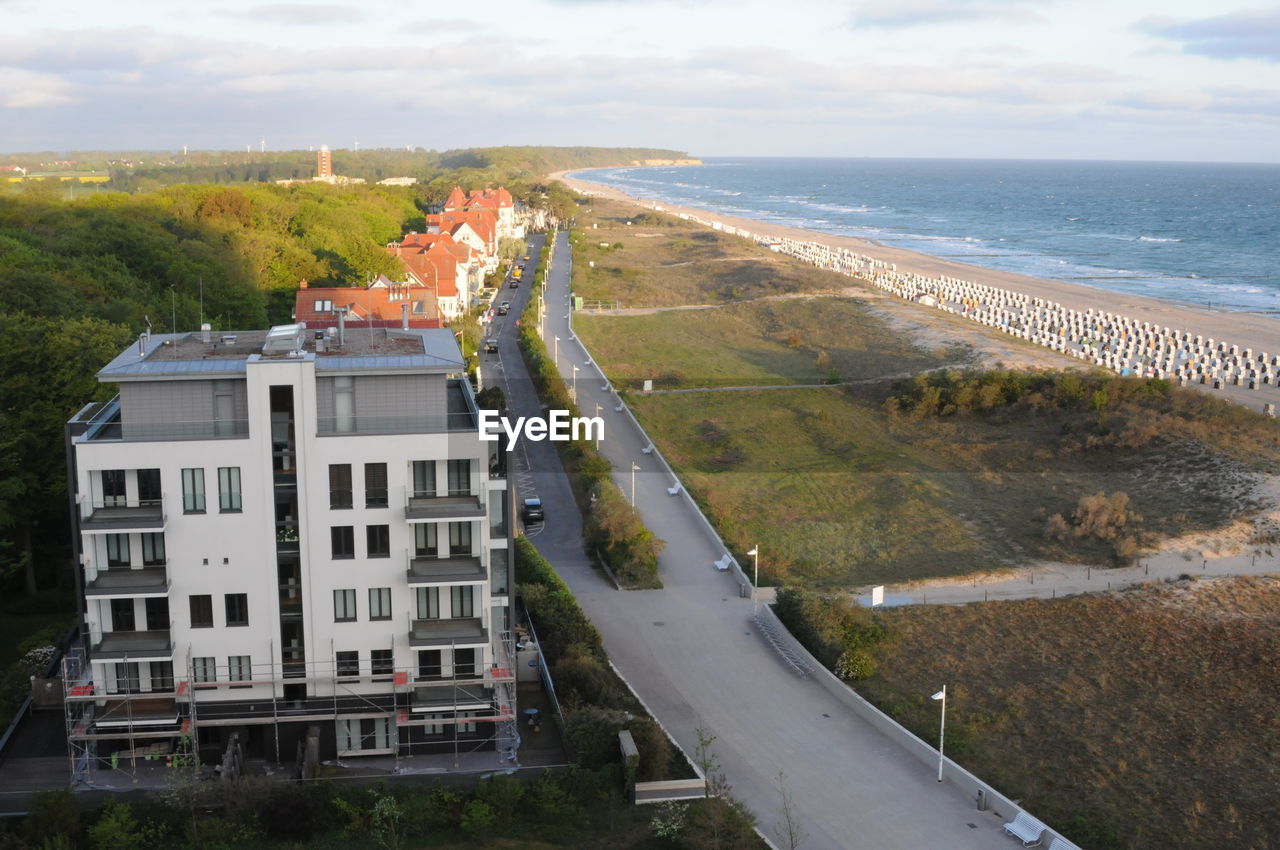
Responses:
[224,409]
[379,603]
[229,489]
[149,495]
[424,479]
[127,681]
[429,666]
[161,673]
[117,550]
[344,605]
[343,540]
[122,616]
[428,603]
[153,549]
[324,305]
[378,538]
[157,611]
[464,663]
[201,612]
[348,665]
[425,540]
[204,670]
[193,491]
[340,485]
[237,609]
[113,492]
[462,601]
[460,477]
[381,662]
[344,404]
[459,538]
[365,735]
[375,485]
[238,669]
[464,727]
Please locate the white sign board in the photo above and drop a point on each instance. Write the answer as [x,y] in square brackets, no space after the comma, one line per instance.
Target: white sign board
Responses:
[648,385]
[877,595]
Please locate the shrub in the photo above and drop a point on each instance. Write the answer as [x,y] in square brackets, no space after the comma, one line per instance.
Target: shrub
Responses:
[855,664]
[53,813]
[478,819]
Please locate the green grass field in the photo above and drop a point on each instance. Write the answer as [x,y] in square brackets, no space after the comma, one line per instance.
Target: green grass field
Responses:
[793,341]
[840,492]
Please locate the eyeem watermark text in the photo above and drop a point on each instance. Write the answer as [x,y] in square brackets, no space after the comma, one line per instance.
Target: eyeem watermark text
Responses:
[558,426]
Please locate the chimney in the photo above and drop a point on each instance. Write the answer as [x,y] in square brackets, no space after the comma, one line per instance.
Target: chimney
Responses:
[342,327]
[302,284]
[205,334]
[404,317]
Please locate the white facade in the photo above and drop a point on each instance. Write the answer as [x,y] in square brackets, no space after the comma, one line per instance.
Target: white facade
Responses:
[367,520]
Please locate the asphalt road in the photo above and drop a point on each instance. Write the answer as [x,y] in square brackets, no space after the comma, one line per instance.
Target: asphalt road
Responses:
[692,654]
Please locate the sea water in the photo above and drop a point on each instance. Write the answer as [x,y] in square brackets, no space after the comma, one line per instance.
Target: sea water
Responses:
[1205,233]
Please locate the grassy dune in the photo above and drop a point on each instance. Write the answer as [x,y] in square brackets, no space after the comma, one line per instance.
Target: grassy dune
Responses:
[1138,719]
[793,341]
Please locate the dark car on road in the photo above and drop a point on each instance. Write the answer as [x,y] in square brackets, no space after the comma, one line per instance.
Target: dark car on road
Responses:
[532,510]
[504,308]
[491,345]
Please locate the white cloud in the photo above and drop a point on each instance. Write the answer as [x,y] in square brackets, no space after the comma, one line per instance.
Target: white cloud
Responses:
[24,89]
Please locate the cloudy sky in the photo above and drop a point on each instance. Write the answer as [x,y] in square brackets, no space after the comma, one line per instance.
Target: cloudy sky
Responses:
[1089,79]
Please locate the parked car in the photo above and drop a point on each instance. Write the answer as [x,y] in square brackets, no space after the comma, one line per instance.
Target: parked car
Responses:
[491,345]
[504,308]
[532,511]
[525,258]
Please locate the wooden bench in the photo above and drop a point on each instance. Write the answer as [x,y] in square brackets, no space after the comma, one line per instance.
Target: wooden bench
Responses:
[674,489]
[1062,844]
[1026,829]
[724,563]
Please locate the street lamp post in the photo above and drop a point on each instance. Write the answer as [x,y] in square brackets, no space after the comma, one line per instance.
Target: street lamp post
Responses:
[634,467]
[574,393]
[755,581]
[942,729]
[555,356]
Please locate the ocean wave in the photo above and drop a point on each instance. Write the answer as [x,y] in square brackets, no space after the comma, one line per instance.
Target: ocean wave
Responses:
[1158,239]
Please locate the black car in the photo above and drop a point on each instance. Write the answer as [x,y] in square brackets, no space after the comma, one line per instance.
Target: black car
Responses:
[491,345]
[532,511]
[504,308]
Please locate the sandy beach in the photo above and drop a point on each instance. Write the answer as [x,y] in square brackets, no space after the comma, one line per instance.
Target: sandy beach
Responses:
[1261,333]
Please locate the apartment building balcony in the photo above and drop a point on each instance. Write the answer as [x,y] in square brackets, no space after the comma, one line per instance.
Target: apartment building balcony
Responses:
[106,422]
[452,695]
[118,582]
[427,507]
[132,646]
[463,570]
[460,631]
[121,516]
[459,415]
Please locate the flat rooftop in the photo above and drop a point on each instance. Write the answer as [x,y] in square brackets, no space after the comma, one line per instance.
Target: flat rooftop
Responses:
[229,352]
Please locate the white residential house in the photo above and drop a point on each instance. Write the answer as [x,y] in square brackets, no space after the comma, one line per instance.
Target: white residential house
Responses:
[290,529]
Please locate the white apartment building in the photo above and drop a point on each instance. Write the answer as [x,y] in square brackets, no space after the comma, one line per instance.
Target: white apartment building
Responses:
[290,529]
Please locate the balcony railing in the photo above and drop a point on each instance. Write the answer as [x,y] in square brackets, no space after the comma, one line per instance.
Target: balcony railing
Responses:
[107,423]
[460,631]
[422,423]
[126,581]
[134,646]
[457,570]
[120,516]
[419,505]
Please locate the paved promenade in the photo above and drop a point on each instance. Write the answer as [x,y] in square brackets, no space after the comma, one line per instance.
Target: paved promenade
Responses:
[693,655]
